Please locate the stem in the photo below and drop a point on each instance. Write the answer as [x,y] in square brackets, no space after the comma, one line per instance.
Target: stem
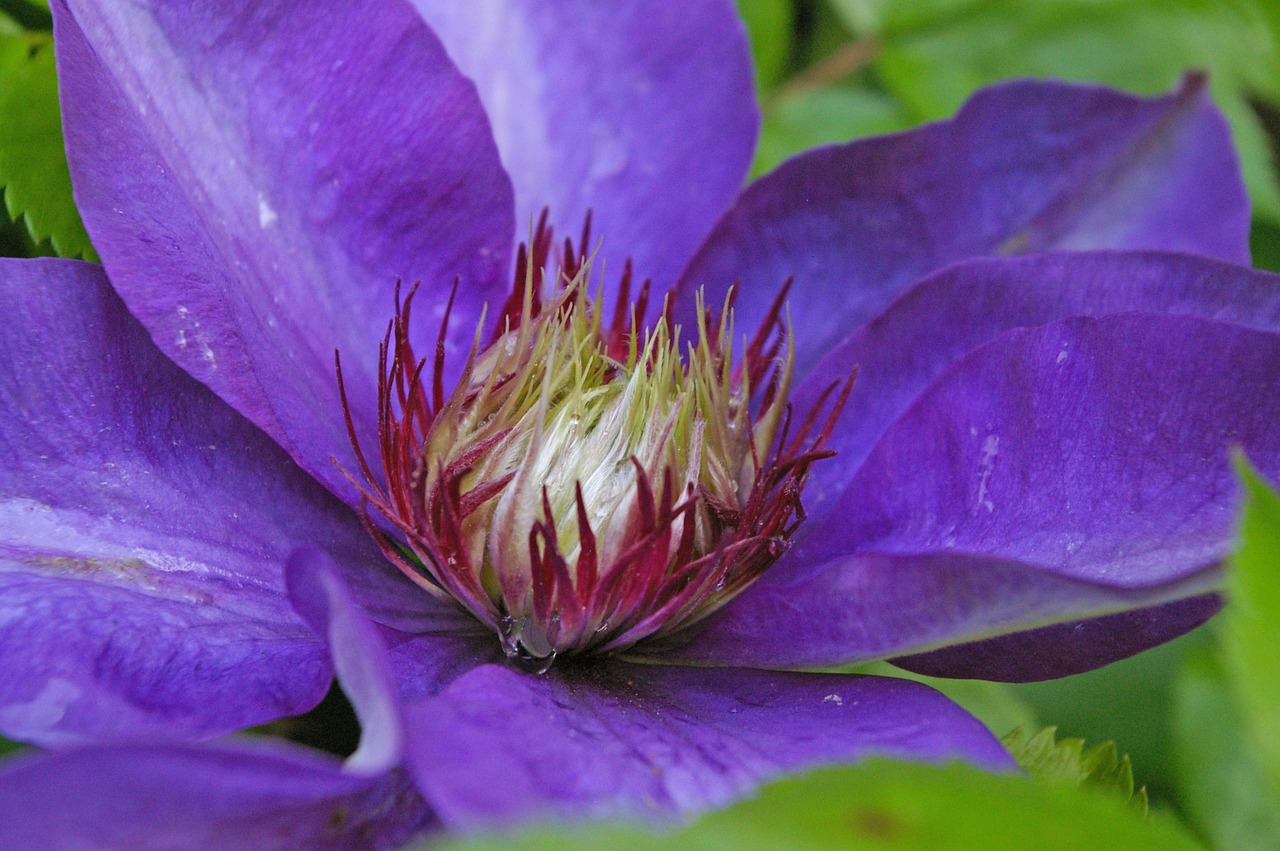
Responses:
[850,58]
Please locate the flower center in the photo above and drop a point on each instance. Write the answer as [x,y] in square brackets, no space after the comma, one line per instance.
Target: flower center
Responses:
[588,485]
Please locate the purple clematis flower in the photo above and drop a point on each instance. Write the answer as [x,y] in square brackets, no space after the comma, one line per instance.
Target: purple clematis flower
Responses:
[1030,477]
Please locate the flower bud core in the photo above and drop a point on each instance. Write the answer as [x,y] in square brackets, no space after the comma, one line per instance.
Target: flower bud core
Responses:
[588,484]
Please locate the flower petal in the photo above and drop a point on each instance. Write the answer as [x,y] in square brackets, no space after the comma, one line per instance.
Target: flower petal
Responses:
[1023,167]
[143,531]
[256,177]
[359,657]
[237,793]
[641,113]
[1055,474]
[650,741]
[380,667]
[1066,648]
[84,660]
[864,607]
[241,794]
[953,311]
[1095,447]
[426,662]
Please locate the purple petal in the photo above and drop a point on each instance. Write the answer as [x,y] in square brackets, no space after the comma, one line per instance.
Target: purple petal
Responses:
[242,794]
[865,607]
[642,113]
[1095,447]
[246,793]
[378,667]
[1052,475]
[360,658]
[1067,648]
[425,663]
[953,311]
[650,741]
[1023,167]
[84,660]
[144,530]
[256,177]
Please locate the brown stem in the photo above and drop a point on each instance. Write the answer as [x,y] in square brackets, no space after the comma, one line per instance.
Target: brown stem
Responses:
[843,62]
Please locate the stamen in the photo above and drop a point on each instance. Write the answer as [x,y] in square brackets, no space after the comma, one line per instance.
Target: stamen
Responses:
[584,487]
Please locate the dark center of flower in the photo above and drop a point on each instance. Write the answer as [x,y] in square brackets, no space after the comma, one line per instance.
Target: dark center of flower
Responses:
[588,485]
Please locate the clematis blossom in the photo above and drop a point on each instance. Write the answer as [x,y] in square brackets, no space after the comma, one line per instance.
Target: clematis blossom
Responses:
[591,554]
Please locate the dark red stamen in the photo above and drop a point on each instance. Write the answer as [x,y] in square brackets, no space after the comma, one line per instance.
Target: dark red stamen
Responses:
[684,550]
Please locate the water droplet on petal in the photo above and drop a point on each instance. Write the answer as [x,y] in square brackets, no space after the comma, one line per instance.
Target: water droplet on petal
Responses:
[511,632]
[507,632]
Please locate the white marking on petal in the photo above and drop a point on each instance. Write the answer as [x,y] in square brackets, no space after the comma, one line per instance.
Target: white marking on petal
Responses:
[45,710]
[266,215]
[990,449]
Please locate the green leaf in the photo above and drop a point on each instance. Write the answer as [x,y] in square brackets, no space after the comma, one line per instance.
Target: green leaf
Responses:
[799,119]
[1129,702]
[32,14]
[1068,762]
[770,27]
[33,167]
[934,53]
[1264,245]
[863,17]
[1221,785]
[889,805]
[1251,622]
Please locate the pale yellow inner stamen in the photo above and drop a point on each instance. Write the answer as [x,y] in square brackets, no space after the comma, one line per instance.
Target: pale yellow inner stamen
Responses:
[578,417]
